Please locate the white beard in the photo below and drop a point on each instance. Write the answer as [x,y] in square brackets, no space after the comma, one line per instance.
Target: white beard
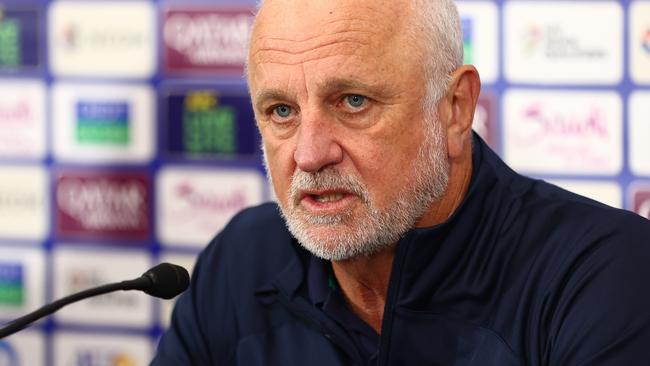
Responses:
[346,236]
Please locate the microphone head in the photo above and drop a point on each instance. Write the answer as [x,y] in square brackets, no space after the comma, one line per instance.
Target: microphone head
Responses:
[167,280]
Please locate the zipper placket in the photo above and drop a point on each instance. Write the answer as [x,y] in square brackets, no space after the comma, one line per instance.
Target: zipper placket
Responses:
[393,290]
[303,312]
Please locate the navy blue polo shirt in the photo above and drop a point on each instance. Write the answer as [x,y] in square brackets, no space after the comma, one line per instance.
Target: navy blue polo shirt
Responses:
[324,293]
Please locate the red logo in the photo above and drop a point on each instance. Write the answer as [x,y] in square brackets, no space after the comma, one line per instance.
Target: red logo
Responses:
[103,205]
[212,41]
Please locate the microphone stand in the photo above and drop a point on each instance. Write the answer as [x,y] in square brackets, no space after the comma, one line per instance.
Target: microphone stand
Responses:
[164,281]
[20,323]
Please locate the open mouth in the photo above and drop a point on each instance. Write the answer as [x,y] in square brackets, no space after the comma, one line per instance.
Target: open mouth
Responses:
[328,197]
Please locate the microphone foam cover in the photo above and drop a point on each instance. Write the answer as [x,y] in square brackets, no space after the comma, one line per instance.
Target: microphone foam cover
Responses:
[167,280]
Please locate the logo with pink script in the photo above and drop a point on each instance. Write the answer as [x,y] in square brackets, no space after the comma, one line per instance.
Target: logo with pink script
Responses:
[484,122]
[103,205]
[641,201]
[206,40]
[193,205]
[563,132]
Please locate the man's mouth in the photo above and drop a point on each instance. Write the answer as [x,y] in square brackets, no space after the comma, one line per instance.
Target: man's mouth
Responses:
[326,200]
[329,197]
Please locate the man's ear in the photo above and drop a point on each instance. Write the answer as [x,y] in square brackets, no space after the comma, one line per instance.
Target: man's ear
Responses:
[462,95]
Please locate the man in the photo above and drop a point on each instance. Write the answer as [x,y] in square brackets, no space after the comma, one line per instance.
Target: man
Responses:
[401,238]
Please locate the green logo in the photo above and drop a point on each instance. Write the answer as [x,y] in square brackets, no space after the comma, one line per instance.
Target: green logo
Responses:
[102,122]
[207,126]
[9,41]
[11,284]
[468,41]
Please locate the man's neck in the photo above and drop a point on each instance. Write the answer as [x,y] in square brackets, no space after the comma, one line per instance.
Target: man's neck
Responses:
[364,280]
[364,284]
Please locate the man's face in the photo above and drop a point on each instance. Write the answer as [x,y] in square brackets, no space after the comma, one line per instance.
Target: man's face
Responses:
[337,91]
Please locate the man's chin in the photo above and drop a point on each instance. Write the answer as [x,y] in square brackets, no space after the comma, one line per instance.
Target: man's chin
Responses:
[336,242]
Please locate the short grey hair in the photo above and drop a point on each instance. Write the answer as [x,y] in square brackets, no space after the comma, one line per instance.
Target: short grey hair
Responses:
[437,27]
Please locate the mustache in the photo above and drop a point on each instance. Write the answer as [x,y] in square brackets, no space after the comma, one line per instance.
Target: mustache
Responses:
[327,179]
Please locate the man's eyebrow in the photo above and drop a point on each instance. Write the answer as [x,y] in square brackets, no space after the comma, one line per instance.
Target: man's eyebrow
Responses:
[327,87]
[269,94]
[339,84]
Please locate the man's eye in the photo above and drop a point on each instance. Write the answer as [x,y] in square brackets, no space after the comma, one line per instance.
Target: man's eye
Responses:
[355,101]
[282,110]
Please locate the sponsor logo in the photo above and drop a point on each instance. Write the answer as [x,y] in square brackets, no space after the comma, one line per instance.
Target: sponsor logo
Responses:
[563,132]
[73,37]
[22,119]
[110,205]
[22,283]
[639,40]
[195,204]
[544,44]
[103,122]
[539,124]
[639,132]
[203,123]
[207,126]
[479,21]
[468,46]
[9,42]
[23,204]
[101,357]
[17,114]
[11,284]
[25,348]
[206,40]
[20,201]
[645,40]
[102,38]
[19,39]
[641,201]
[484,122]
[8,356]
[80,279]
[554,42]
[79,269]
[87,349]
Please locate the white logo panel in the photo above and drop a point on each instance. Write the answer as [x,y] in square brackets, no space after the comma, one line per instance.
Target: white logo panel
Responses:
[193,205]
[103,123]
[560,132]
[608,193]
[22,278]
[22,118]
[639,33]
[102,39]
[77,270]
[639,132]
[186,261]
[86,349]
[563,42]
[25,348]
[24,202]
[480,25]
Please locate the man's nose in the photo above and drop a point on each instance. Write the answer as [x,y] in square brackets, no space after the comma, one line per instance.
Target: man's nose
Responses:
[317,146]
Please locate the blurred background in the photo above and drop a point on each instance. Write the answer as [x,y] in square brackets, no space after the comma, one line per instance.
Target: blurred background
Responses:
[127,138]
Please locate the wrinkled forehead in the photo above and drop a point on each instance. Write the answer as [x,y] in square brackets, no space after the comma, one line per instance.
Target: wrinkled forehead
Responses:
[296,26]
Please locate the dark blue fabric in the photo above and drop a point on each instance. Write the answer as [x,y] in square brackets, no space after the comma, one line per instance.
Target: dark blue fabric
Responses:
[324,293]
[523,273]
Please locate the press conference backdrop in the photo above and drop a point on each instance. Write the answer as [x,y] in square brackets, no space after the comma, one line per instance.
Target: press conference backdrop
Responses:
[127,138]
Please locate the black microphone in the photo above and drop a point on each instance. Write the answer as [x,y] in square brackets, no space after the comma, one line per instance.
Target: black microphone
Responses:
[165,281]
